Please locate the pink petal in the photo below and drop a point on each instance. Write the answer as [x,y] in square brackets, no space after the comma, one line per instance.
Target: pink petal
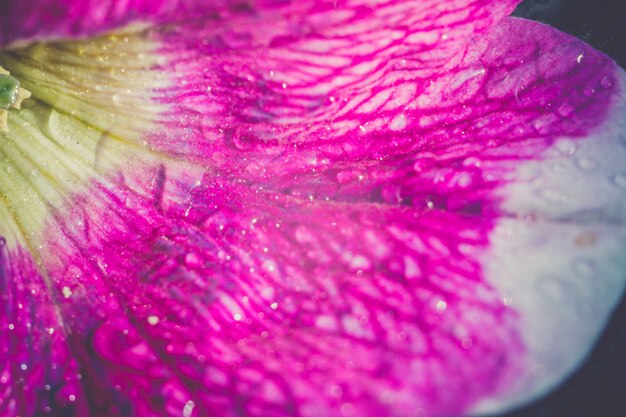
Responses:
[407,271]
[34,20]
[268,305]
[461,132]
[311,73]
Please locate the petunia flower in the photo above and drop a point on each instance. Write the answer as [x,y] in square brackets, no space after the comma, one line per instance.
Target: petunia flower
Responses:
[311,208]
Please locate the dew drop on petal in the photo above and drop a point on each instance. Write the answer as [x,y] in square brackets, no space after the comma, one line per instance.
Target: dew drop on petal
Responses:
[188,409]
[67,292]
[587,164]
[619,180]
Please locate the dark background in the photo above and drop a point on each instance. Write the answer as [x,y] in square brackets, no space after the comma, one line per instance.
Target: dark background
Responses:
[600,23]
[598,389]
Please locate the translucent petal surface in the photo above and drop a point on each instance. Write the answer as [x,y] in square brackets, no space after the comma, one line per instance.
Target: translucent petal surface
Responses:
[308,218]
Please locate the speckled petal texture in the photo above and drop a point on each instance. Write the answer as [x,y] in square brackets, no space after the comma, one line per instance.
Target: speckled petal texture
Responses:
[376,209]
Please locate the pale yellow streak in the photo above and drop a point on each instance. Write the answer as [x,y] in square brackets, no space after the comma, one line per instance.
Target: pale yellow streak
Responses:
[92,105]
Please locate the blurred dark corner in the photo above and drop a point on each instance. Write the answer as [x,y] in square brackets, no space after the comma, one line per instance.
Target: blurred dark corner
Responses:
[600,23]
[598,388]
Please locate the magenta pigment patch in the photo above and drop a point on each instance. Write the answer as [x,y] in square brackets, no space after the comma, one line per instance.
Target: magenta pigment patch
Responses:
[39,20]
[312,209]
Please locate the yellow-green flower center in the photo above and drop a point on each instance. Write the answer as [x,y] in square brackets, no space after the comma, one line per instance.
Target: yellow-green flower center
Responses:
[92,105]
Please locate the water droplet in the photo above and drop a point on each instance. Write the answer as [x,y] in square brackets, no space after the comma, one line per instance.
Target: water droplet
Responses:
[551,288]
[419,412]
[244,141]
[117,99]
[118,73]
[67,292]
[188,409]
[566,147]
[326,323]
[472,162]
[336,391]
[193,260]
[558,167]
[589,91]
[552,196]
[423,163]
[584,268]
[360,262]
[565,110]
[441,306]
[619,180]
[542,125]
[467,343]
[587,164]
[463,179]
[347,409]
[606,82]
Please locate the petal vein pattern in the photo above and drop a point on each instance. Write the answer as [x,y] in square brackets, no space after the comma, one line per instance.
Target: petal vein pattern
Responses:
[310,209]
